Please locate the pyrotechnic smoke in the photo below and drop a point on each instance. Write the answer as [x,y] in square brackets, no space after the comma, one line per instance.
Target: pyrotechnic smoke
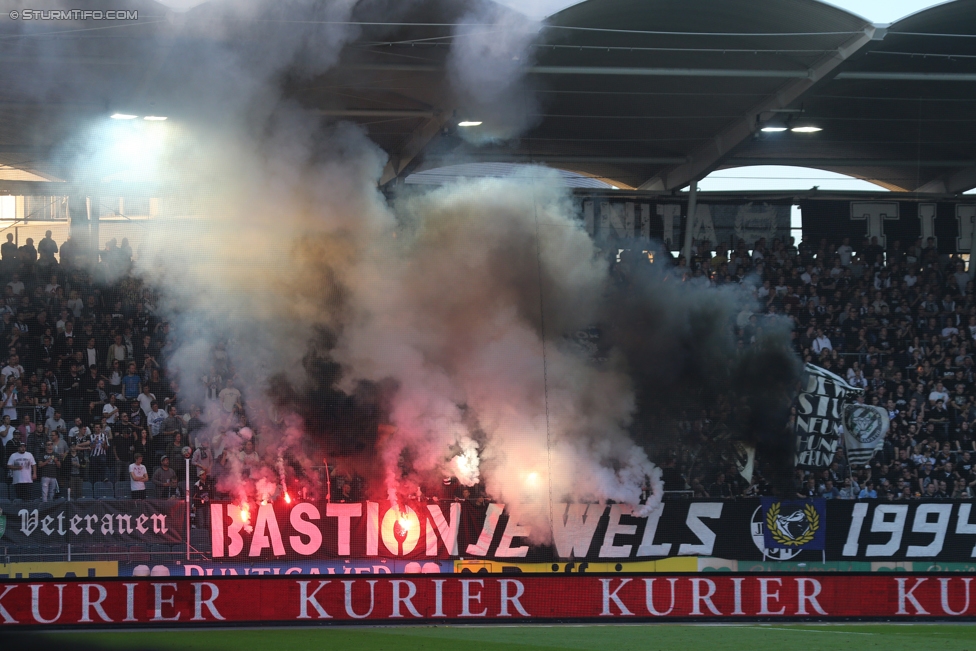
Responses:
[446,318]
[492,49]
[484,275]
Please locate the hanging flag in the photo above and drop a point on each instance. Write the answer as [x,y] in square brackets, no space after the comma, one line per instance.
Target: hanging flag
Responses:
[818,414]
[865,427]
[745,457]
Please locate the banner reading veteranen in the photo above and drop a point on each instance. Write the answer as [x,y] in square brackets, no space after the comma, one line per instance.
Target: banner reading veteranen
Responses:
[595,533]
[818,413]
[92,522]
[174,601]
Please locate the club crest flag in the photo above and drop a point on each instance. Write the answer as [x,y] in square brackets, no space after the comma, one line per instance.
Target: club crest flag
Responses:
[819,407]
[745,458]
[865,427]
[799,524]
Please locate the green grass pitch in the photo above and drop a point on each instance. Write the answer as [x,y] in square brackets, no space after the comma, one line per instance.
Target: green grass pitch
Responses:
[652,637]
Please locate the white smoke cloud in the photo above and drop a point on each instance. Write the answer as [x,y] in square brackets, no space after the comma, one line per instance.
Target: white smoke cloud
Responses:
[491,49]
[459,297]
[451,310]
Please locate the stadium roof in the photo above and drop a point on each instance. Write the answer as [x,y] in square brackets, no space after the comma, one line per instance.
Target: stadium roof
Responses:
[648,94]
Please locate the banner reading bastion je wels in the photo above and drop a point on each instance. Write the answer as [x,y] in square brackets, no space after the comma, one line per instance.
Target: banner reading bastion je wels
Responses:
[838,530]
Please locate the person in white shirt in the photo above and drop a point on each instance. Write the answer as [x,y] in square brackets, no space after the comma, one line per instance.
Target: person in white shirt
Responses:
[822,342]
[938,393]
[146,400]
[6,431]
[52,287]
[23,470]
[110,411]
[78,433]
[229,397]
[844,251]
[8,399]
[13,368]
[138,476]
[116,351]
[155,418]
[16,285]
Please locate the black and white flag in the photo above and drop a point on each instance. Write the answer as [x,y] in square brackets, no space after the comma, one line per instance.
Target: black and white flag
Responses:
[865,427]
[745,458]
[818,414]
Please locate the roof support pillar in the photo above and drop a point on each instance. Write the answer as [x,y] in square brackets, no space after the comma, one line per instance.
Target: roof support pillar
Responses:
[690,222]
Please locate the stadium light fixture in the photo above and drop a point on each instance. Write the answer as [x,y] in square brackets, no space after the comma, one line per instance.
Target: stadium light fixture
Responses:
[806,129]
[123,116]
[154,118]
[775,125]
[469,123]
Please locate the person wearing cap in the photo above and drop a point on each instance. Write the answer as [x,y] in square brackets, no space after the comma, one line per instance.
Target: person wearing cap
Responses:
[165,479]
[23,470]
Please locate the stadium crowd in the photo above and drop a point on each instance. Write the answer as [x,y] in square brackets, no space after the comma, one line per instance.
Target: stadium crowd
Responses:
[898,323]
[86,396]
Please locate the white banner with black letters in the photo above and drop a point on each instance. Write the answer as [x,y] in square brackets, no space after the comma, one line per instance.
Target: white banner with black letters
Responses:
[818,414]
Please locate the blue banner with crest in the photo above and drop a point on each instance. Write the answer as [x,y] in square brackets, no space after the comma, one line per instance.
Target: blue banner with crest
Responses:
[794,524]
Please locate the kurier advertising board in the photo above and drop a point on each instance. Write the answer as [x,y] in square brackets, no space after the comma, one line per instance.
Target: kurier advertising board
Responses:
[385,599]
[745,530]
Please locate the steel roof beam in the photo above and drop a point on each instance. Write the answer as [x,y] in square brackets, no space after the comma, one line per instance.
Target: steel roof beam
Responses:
[406,158]
[376,113]
[845,162]
[907,76]
[611,71]
[706,158]
[489,157]
[953,182]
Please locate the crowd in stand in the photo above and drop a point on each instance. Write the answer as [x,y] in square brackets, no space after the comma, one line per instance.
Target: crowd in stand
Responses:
[85,395]
[899,323]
